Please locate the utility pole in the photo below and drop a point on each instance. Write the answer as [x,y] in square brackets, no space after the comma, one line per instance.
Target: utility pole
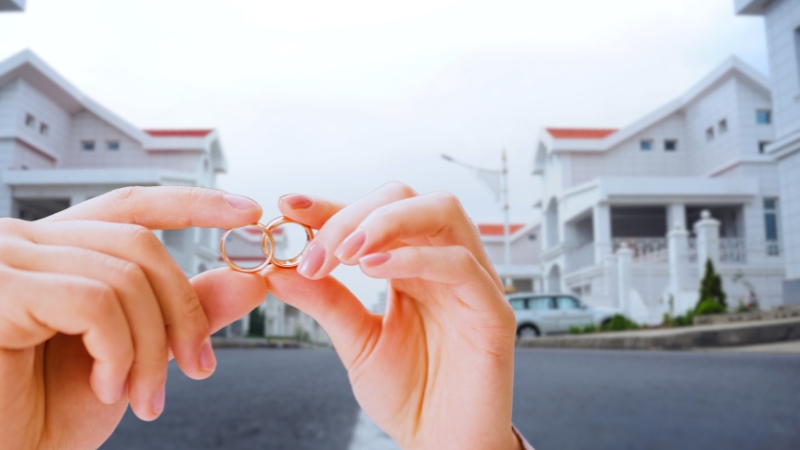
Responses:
[497,181]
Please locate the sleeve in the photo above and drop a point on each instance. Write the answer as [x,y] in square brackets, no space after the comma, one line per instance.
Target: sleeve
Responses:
[522,441]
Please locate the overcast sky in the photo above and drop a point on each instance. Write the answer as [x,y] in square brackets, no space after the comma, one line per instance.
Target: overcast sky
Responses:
[336,97]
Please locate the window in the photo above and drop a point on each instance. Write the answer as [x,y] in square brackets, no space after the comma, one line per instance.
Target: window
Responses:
[763,117]
[723,126]
[710,134]
[43,129]
[670,145]
[30,121]
[113,145]
[540,303]
[531,237]
[87,145]
[771,225]
[567,303]
[762,146]
[646,144]
[517,303]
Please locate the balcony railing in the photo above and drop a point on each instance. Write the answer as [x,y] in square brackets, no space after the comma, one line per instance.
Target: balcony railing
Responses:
[732,250]
[773,248]
[645,249]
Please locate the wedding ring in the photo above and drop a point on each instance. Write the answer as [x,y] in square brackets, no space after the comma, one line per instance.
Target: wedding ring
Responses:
[267,246]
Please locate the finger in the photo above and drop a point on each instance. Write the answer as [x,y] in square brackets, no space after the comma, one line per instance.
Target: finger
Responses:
[435,219]
[312,211]
[184,319]
[318,260]
[227,295]
[454,266]
[35,306]
[149,371]
[166,208]
[353,330]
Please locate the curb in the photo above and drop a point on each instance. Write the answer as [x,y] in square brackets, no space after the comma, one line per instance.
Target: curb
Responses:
[728,335]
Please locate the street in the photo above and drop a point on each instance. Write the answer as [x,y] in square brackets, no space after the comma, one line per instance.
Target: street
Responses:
[564,399]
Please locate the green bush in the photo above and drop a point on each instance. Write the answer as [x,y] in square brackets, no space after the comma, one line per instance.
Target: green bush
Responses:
[591,328]
[711,286]
[617,323]
[709,306]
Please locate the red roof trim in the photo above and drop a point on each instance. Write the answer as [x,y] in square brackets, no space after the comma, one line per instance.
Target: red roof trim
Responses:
[180,133]
[580,133]
[496,229]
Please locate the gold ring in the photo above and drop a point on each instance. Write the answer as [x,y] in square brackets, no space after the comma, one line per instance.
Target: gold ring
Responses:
[275,223]
[266,241]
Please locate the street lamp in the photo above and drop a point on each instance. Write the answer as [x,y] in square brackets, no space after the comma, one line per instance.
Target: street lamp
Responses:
[497,181]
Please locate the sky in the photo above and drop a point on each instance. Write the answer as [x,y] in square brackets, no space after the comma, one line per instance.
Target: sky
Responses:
[337,98]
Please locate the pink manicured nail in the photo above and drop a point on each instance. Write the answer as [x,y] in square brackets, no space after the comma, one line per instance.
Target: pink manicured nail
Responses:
[350,246]
[158,401]
[375,259]
[207,359]
[297,201]
[312,260]
[240,201]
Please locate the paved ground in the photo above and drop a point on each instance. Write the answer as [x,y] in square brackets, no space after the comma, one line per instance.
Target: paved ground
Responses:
[564,399]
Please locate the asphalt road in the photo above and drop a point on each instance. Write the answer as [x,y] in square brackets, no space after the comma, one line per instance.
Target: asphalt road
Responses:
[564,399]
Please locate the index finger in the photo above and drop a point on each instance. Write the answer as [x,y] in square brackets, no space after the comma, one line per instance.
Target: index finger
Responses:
[166,208]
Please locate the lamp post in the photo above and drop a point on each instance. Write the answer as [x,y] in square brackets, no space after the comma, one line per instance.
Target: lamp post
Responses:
[497,181]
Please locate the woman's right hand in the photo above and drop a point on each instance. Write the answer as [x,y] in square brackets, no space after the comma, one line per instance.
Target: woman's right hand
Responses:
[91,307]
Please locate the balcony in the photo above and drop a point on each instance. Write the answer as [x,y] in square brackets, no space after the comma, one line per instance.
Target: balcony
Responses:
[645,249]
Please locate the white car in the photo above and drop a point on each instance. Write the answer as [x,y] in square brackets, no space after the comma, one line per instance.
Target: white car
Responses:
[543,314]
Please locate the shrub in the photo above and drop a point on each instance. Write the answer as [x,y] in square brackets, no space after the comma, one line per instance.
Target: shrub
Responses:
[711,286]
[591,328]
[709,306]
[617,323]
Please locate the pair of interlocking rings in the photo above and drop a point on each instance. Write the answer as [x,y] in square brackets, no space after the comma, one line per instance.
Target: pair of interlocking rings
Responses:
[267,246]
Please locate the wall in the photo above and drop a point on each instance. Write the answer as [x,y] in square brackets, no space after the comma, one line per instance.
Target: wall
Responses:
[718,104]
[523,250]
[782,17]
[45,110]
[789,209]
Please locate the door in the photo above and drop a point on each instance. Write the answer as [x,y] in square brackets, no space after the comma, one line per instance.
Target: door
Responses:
[570,313]
[543,312]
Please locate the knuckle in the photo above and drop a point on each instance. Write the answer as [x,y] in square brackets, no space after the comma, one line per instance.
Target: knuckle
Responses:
[131,273]
[140,236]
[102,305]
[9,225]
[402,190]
[125,195]
[449,200]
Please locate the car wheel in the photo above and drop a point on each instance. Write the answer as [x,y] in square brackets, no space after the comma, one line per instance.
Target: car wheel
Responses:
[527,332]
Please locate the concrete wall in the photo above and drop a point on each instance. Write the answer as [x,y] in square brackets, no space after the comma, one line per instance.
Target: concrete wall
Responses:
[782,18]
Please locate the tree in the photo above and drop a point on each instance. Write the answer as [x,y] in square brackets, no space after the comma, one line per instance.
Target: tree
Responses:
[257,320]
[711,286]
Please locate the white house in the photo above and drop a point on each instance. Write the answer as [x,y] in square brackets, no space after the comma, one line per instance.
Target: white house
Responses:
[782,20]
[12,5]
[526,270]
[59,147]
[623,210]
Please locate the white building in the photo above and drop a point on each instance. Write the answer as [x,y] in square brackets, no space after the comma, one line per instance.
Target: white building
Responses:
[243,247]
[782,20]
[526,269]
[59,148]
[622,208]
[12,5]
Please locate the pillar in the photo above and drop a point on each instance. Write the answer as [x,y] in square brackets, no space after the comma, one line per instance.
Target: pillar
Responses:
[676,212]
[678,248]
[707,231]
[624,259]
[610,278]
[601,224]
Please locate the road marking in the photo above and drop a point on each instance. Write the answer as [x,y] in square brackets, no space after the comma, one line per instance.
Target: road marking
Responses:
[368,436]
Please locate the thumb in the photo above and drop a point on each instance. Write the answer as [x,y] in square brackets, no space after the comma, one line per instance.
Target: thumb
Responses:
[166,208]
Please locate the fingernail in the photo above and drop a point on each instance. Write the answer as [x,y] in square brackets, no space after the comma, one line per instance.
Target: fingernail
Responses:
[158,401]
[240,201]
[297,201]
[207,359]
[312,260]
[122,390]
[350,246]
[375,259]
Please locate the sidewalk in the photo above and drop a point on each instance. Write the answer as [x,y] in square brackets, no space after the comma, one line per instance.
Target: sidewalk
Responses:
[679,338]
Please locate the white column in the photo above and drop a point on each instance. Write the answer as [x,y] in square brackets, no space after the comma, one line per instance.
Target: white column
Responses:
[707,231]
[610,278]
[601,224]
[678,247]
[676,212]
[624,259]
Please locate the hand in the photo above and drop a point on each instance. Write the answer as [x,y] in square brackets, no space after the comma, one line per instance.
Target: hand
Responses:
[91,305]
[436,371]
